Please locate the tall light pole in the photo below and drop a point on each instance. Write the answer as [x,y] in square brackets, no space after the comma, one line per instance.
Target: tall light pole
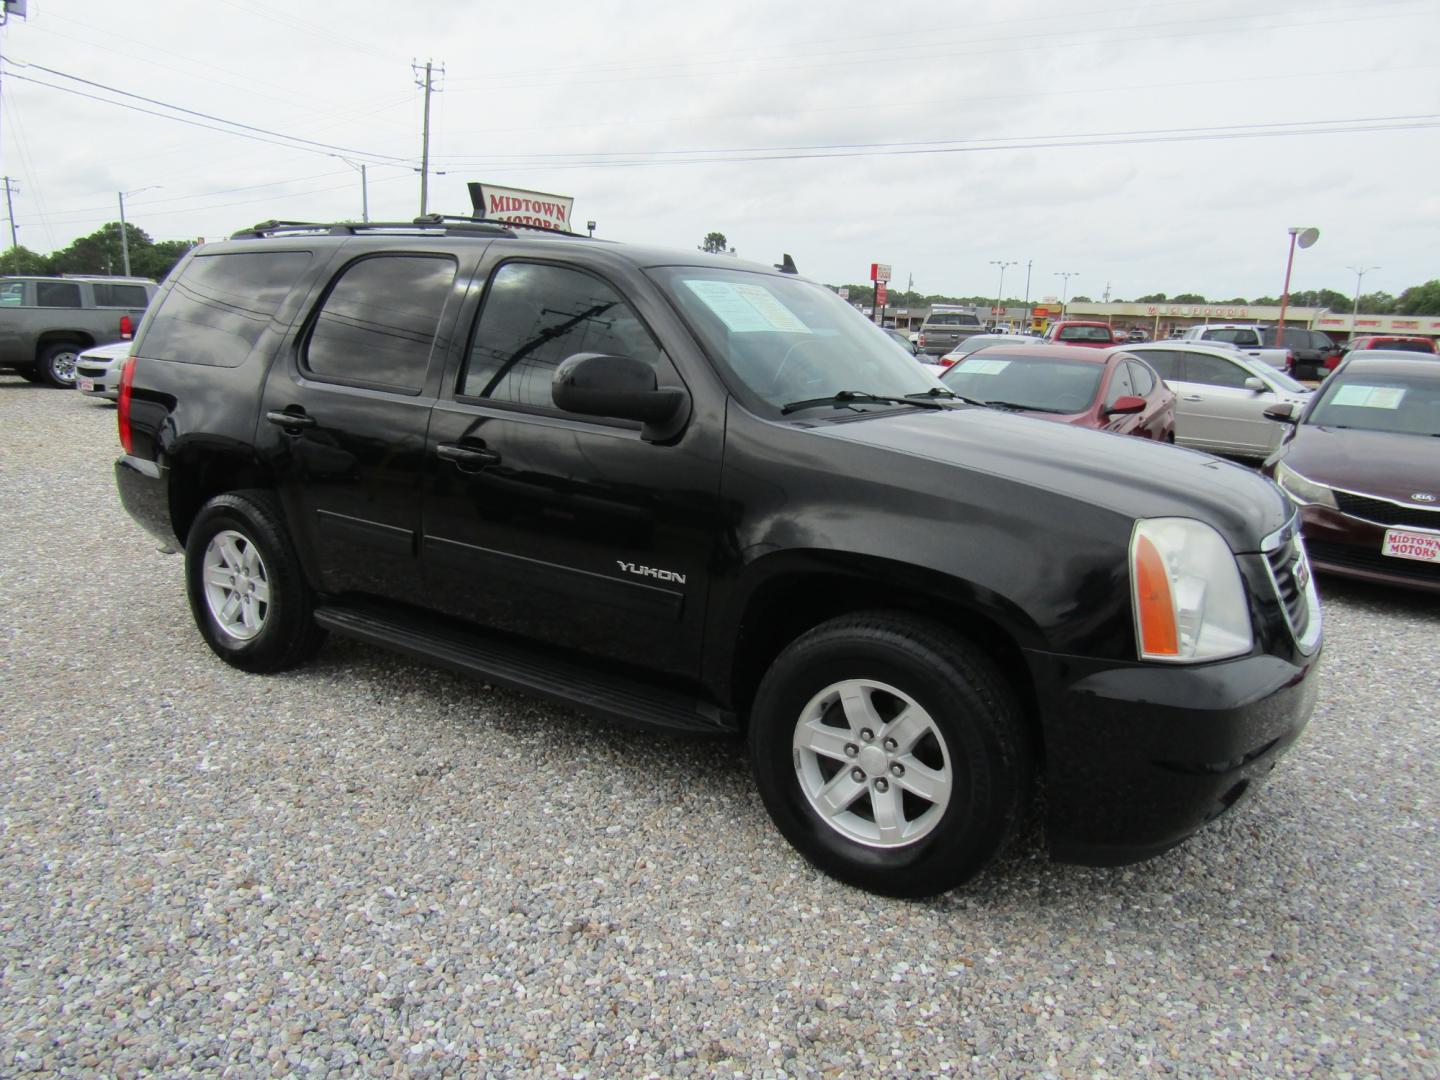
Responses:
[1028,264]
[125,240]
[1305,237]
[1360,272]
[1000,292]
[1065,286]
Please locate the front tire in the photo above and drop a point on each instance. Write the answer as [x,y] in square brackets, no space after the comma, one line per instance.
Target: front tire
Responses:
[57,365]
[891,753]
[247,591]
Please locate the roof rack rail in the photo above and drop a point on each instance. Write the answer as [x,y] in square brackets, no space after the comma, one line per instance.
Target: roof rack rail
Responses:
[448,223]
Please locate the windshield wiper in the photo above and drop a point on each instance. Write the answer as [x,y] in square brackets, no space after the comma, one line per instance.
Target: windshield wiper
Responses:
[1017,405]
[857,397]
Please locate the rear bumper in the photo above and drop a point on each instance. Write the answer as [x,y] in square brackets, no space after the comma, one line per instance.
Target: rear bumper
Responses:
[144,492]
[1139,757]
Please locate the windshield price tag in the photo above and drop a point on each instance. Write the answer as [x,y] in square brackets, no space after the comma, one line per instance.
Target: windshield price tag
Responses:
[984,367]
[1369,397]
[747,309]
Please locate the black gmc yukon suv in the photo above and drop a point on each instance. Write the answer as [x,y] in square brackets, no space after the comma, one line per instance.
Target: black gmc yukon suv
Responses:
[706,496]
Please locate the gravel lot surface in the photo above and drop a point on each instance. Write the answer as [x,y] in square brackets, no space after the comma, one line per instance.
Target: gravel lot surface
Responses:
[370,867]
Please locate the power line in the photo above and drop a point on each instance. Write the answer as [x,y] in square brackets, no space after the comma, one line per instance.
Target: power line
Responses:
[941,146]
[304,143]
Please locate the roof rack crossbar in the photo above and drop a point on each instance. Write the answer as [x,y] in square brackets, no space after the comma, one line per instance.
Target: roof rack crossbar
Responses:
[448,223]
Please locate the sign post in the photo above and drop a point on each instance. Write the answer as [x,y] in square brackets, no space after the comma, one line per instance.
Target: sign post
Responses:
[880,277]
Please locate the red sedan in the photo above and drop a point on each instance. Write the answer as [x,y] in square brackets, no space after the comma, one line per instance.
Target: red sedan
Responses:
[1106,391]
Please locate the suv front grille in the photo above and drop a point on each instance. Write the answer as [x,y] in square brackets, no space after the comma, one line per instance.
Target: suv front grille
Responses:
[1384,512]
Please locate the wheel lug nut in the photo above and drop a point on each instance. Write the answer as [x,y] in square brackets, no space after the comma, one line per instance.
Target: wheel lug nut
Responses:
[867,735]
[891,744]
[897,769]
[858,775]
[882,785]
[851,749]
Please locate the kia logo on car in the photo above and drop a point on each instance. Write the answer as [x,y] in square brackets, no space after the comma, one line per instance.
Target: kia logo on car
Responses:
[1423,496]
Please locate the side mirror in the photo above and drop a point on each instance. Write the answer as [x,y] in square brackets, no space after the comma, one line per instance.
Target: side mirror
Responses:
[1127,403]
[1283,413]
[1257,385]
[619,387]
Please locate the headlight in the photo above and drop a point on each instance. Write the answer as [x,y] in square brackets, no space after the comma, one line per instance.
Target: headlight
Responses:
[1188,596]
[1302,489]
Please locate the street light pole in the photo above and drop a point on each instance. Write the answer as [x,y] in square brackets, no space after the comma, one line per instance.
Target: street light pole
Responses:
[1000,292]
[1065,286]
[1360,272]
[1306,237]
[364,187]
[1028,264]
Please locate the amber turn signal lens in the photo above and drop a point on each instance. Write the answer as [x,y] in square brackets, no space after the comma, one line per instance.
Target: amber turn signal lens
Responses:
[1158,636]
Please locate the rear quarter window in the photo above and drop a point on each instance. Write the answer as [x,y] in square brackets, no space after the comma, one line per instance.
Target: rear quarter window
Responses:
[126,296]
[219,306]
[64,294]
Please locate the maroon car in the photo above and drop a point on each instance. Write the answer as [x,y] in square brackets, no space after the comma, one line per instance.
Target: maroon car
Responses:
[1363,465]
[1106,391]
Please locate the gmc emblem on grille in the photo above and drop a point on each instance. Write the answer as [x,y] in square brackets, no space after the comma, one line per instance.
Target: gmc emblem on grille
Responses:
[1423,496]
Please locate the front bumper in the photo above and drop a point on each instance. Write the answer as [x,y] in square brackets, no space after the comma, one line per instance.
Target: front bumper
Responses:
[1140,756]
[1350,547]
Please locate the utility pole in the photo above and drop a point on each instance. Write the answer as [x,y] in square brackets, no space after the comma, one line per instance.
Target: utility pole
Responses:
[428,85]
[364,187]
[10,188]
[1000,292]
[1065,287]
[124,240]
[1360,272]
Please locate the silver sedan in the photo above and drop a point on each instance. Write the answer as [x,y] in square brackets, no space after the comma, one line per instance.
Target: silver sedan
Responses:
[1221,396]
[97,369]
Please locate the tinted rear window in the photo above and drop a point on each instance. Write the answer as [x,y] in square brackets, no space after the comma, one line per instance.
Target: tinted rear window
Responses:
[220,305]
[951,318]
[1084,333]
[57,294]
[127,296]
[1402,345]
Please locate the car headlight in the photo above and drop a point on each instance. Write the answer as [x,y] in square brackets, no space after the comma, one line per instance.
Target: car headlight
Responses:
[1302,489]
[1188,596]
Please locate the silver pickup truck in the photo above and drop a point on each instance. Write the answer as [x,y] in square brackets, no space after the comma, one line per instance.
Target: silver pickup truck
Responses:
[46,322]
[1247,338]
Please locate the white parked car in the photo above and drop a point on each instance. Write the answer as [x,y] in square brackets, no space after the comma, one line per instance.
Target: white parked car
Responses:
[984,341]
[97,370]
[1221,396]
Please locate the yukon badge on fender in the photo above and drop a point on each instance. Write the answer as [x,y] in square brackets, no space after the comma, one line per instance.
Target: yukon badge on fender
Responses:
[650,571]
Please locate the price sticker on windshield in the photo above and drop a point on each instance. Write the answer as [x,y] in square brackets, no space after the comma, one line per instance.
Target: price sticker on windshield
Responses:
[984,367]
[1369,397]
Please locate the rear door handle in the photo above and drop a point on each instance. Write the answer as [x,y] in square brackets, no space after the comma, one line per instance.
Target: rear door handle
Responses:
[290,420]
[1197,397]
[473,457]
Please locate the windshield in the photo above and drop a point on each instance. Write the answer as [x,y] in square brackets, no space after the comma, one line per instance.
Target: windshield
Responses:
[789,340]
[1407,404]
[1401,345]
[1044,384]
[1285,382]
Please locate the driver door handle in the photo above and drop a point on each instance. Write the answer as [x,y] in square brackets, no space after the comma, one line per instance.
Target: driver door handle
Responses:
[475,457]
[290,420]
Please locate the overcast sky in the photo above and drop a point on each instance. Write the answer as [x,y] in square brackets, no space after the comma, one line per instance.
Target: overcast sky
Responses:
[934,137]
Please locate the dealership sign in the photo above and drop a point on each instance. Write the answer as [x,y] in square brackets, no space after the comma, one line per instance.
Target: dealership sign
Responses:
[1199,312]
[520,207]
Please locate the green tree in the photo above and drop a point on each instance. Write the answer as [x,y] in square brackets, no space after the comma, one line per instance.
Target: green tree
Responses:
[1188,298]
[1082,299]
[715,243]
[1377,303]
[21,260]
[1153,298]
[1420,299]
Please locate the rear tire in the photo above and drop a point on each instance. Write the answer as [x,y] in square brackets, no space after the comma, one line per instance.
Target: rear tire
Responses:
[891,753]
[247,591]
[56,365]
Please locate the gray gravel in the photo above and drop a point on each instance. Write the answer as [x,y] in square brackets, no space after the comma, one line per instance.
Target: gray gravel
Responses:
[370,867]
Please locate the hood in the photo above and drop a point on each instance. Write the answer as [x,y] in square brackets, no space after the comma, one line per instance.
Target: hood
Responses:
[1129,476]
[1377,463]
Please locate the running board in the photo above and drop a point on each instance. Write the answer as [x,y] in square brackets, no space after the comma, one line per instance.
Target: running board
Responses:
[615,697]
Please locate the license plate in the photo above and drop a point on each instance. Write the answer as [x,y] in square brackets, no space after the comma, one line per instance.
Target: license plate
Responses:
[1411,544]
[85,384]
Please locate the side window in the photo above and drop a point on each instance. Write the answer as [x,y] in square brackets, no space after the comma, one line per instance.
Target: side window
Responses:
[12,294]
[534,317]
[57,294]
[1120,384]
[378,321]
[1166,364]
[126,296]
[1214,370]
[220,305]
[1142,379]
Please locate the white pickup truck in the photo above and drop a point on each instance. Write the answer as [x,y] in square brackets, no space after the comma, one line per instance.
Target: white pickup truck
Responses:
[1247,338]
